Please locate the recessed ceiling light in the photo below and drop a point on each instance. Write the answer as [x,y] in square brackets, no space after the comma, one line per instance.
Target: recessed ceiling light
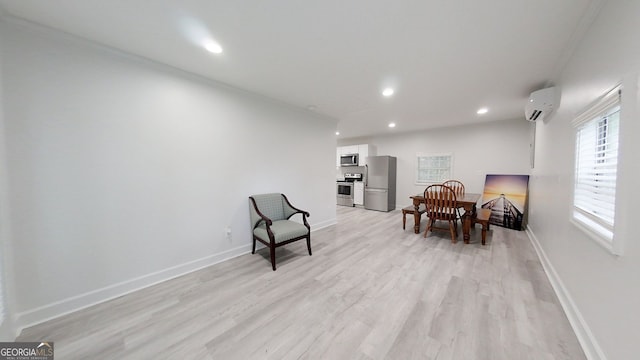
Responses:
[392,125]
[213,47]
[337,132]
[387,92]
[482,111]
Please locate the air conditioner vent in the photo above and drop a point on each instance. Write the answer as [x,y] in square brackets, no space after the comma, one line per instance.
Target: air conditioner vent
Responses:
[535,115]
[540,104]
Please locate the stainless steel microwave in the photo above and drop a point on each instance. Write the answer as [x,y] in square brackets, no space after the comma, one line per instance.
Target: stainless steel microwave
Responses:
[349,160]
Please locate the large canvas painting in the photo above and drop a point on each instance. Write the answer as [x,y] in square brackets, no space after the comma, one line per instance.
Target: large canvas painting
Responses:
[506,196]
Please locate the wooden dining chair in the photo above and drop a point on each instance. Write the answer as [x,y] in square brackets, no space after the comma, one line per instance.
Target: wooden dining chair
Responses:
[441,205]
[457,187]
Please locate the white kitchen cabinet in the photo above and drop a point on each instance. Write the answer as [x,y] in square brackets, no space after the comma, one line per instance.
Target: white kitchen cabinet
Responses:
[358,193]
[351,149]
[365,150]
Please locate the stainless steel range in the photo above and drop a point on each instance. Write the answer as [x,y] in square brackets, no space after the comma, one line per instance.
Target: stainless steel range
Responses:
[344,188]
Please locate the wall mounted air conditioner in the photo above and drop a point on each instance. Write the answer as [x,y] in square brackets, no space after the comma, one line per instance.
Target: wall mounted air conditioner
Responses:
[540,104]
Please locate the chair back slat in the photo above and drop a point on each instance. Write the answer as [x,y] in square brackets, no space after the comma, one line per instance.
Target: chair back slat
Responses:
[456,186]
[441,202]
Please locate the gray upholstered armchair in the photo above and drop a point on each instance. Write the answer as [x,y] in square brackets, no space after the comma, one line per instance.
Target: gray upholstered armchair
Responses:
[270,214]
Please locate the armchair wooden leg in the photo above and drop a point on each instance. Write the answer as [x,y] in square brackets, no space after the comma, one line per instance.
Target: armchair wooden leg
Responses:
[309,244]
[272,253]
[254,245]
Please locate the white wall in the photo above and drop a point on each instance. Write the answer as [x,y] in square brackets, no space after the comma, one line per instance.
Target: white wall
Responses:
[124,172]
[490,148]
[601,291]
[6,322]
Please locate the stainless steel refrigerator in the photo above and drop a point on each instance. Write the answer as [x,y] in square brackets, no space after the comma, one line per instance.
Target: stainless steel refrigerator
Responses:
[380,183]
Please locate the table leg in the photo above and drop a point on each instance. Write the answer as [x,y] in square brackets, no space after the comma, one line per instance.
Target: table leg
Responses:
[416,216]
[467,221]
[466,227]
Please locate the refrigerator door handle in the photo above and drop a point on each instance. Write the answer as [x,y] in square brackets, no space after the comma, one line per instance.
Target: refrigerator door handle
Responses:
[376,190]
[366,175]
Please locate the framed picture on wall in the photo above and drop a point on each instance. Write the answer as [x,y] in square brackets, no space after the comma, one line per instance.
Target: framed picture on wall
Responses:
[506,196]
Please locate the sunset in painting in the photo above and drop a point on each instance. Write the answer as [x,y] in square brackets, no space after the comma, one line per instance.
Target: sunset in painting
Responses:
[512,187]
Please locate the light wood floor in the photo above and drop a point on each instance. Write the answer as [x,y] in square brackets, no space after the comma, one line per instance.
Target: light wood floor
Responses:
[370,291]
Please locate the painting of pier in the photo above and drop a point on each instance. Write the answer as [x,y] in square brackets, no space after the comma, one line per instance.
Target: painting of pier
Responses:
[506,196]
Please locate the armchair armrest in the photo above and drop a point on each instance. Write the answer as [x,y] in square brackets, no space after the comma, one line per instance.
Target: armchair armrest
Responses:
[257,216]
[291,210]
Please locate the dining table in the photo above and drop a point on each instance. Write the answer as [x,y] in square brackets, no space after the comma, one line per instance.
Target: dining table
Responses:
[467,201]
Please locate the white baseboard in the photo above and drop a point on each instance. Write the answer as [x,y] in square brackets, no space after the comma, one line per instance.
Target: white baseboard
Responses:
[588,342]
[82,301]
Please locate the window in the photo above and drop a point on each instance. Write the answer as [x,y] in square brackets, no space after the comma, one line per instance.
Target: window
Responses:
[433,168]
[594,197]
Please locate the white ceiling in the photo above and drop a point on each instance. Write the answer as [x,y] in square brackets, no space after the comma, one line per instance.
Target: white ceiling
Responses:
[445,58]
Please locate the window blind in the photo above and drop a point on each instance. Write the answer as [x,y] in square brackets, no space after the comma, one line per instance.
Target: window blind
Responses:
[596,165]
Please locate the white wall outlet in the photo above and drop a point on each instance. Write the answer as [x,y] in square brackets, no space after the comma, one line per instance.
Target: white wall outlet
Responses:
[227,232]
